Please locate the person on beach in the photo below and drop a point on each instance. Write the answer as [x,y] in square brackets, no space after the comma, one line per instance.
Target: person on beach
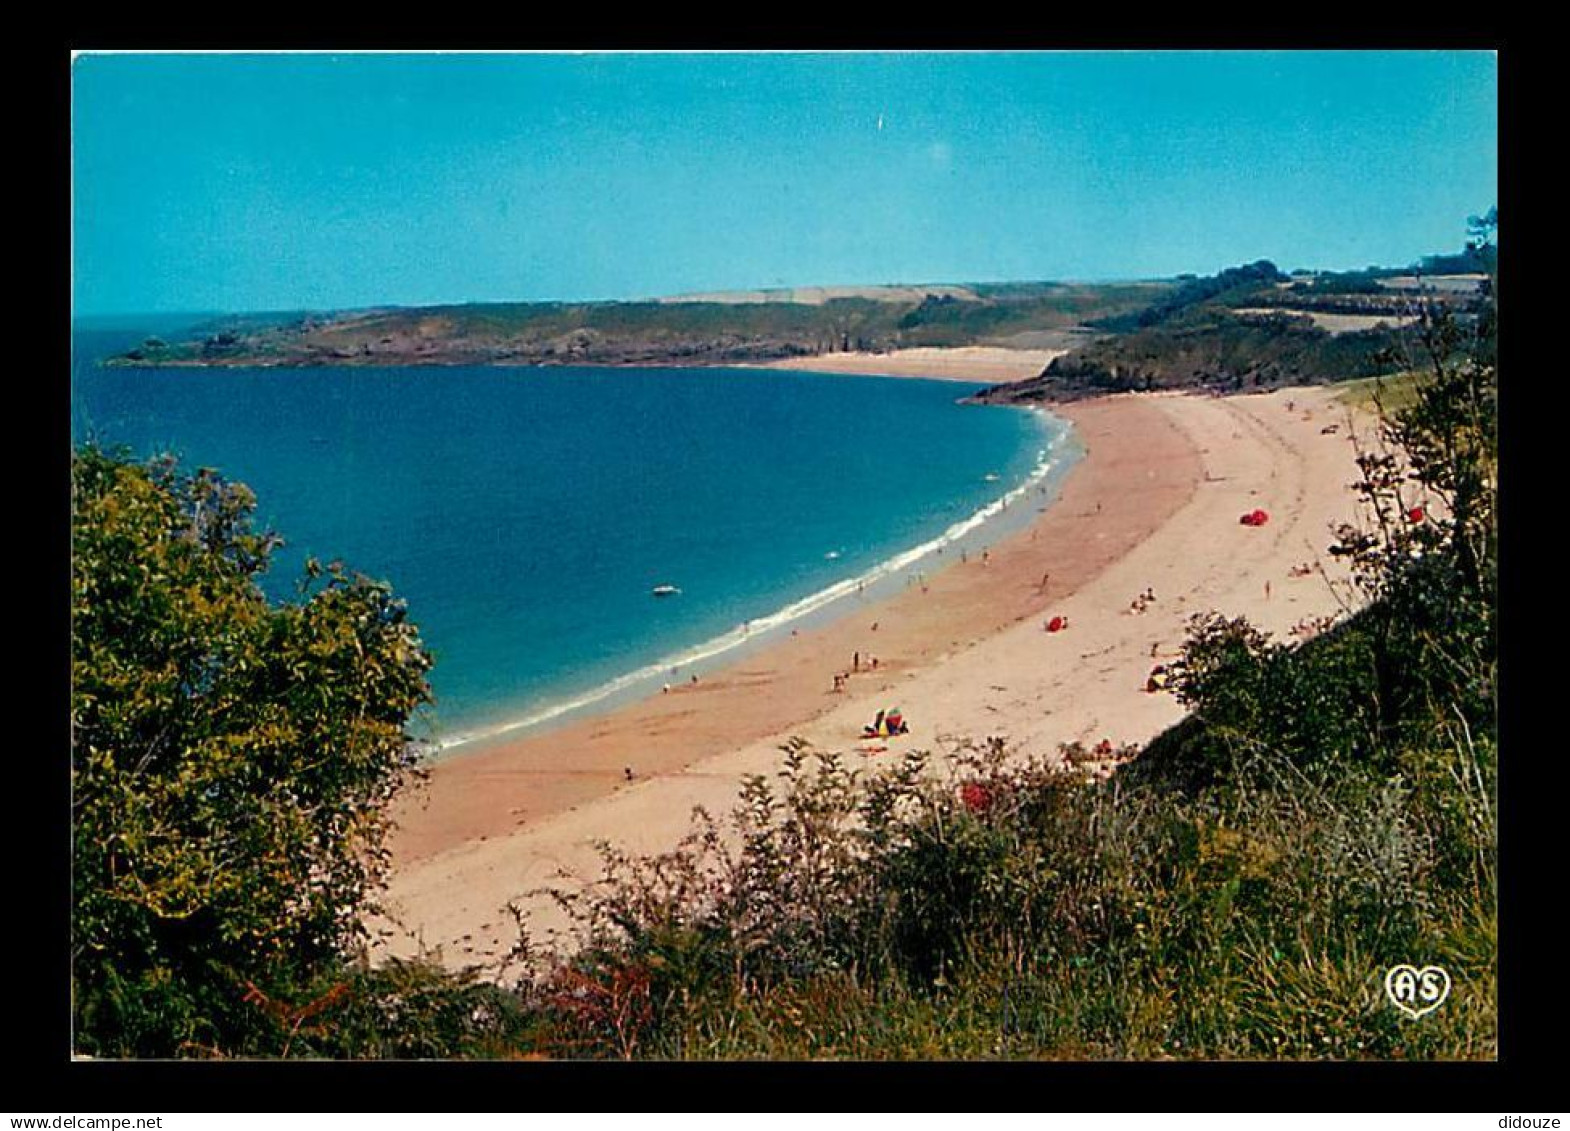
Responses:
[855,662]
[1045,577]
[627,772]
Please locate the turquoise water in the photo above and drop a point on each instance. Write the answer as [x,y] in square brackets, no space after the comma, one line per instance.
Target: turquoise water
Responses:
[526,514]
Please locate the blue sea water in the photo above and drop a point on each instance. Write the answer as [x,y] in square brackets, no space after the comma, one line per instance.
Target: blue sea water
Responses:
[526,514]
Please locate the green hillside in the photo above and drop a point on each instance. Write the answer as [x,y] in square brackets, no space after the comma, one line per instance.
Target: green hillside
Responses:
[632,333]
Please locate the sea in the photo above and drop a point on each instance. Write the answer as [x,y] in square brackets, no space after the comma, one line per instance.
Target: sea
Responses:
[528,514]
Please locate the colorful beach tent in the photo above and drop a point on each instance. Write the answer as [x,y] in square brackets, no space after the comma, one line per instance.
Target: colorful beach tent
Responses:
[887,723]
[1255,518]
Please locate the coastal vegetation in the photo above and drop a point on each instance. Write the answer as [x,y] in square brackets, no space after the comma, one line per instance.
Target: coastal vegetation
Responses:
[1253,328]
[1234,890]
[231,762]
[647,333]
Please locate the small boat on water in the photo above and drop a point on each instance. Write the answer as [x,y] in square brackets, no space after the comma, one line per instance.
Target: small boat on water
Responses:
[665,591]
[991,477]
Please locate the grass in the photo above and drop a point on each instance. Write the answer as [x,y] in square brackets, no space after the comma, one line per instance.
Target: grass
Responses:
[1396,392]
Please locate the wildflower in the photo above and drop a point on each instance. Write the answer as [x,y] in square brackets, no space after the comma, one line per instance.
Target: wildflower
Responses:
[975,796]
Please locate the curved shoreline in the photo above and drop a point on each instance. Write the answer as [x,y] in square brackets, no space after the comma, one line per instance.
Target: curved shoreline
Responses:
[1153,503]
[511,783]
[1056,459]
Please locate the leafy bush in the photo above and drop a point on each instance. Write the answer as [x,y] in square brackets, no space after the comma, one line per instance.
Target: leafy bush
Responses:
[232,761]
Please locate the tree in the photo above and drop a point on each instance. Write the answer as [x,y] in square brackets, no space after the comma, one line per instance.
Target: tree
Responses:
[232,760]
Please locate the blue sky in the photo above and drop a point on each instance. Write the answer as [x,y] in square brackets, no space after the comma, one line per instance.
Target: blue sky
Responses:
[299,181]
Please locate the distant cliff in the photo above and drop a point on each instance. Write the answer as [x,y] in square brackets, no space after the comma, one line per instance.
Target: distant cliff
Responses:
[650,333]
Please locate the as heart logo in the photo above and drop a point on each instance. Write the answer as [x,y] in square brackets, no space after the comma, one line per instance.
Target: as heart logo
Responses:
[1416,992]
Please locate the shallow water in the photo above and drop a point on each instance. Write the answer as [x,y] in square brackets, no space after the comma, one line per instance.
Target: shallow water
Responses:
[527,514]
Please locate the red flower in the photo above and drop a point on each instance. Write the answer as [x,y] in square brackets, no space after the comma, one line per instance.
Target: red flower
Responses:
[1415,514]
[975,796]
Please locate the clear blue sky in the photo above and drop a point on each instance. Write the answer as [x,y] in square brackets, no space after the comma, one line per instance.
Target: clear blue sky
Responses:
[281,182]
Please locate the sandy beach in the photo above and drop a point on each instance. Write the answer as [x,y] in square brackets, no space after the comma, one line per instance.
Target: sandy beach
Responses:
[985,364]
[1153,505]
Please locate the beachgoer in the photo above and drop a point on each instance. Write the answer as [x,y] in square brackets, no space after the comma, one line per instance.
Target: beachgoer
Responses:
[665,690]
[627,772]
[1045,577]
[874,663]
[1267,590]
[694,677]
[855,662]
[874,626]
[986,556]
